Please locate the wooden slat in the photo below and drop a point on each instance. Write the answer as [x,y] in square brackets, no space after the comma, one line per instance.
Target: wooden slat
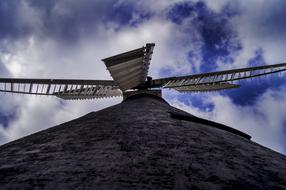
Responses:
[126,68]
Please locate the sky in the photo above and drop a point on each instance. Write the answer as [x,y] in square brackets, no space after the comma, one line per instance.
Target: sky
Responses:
[68,39]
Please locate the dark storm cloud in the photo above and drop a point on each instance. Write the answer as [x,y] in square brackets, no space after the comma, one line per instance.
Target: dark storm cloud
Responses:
[65,20]
[267,23]
[249,92]
[258,58]
[219,40]
[10,26]
[5,118]
[270,21]
[198,101]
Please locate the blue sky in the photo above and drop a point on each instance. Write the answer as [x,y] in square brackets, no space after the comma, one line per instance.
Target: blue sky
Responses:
[68,38]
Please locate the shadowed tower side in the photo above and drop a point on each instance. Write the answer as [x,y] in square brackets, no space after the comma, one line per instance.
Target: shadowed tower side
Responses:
[141,143]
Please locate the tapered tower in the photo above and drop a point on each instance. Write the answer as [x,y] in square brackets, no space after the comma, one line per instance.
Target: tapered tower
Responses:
[141,143]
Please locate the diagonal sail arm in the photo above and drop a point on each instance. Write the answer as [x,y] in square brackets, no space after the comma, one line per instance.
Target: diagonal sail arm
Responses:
[218,77]
[63,88]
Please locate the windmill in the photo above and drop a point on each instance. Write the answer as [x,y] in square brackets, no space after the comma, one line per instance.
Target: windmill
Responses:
[141,143]
[129,71]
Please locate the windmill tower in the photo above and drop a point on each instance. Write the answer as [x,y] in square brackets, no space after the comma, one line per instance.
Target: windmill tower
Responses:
[141,143]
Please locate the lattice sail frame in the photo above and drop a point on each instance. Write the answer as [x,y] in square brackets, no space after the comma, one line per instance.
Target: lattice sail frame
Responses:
[65,89]
[220,80]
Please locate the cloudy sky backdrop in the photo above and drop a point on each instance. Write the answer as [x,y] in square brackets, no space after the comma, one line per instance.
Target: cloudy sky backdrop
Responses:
[68,38]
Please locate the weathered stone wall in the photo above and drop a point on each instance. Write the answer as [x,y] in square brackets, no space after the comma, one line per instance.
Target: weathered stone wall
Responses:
[137,145]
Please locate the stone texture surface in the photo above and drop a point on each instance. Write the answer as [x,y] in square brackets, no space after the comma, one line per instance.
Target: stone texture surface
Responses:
[137,145]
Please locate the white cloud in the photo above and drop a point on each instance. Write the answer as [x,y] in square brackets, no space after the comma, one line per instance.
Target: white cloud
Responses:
[258,27]
[217,5]
[38,113]
[45,57]
[37,57]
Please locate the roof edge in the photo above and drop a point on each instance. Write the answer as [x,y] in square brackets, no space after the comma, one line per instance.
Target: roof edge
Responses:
[209,123]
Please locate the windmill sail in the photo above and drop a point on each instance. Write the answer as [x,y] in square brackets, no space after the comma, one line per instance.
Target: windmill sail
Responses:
[62,88]
[216,80]
[130,69]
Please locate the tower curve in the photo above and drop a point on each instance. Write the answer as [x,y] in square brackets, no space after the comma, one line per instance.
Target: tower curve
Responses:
[141,143]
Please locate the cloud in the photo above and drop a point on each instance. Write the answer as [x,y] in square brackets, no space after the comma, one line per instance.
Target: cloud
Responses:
[38,55]
[259,27]
[264,120]
[67,39]
[259,40]
[35,114]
